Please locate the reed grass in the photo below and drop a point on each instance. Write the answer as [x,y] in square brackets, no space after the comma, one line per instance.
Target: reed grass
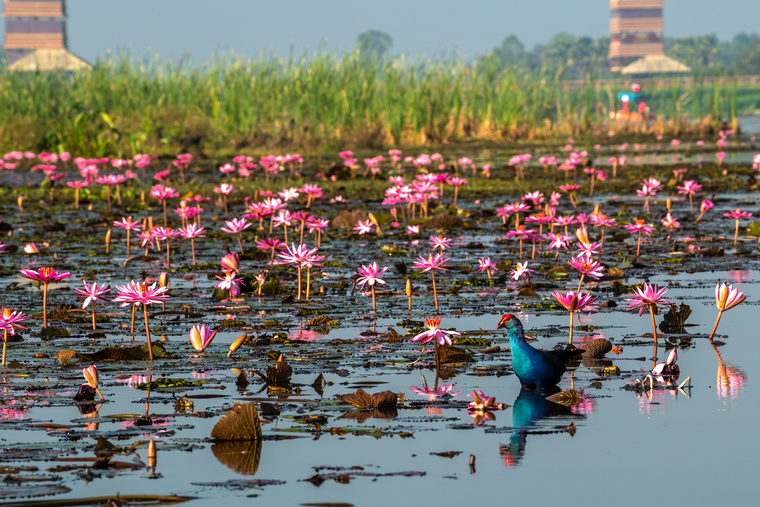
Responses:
[325,102]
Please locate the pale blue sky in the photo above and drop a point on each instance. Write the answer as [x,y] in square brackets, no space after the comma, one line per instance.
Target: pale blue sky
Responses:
[200,27]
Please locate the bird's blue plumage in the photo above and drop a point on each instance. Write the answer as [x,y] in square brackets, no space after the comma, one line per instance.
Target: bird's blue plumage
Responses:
[534,368]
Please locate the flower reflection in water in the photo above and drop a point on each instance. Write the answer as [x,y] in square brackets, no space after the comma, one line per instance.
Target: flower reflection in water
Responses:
[442,391]
[14,413]
[307,335]
[730,379]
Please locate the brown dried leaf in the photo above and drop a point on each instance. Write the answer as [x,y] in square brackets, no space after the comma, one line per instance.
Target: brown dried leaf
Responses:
[240,423]
[360,399]
[596,348]
[448,354]
[320,320]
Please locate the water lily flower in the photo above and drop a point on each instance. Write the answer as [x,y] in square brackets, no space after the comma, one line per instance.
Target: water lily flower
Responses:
[573,302]
[10,321]
[737,215]
[31,248]
[690,187]
[481,407]
[92,294]
[726,297]
[521,271]
[439,242]
[433,332]
[164,194]
[487,265]
[44,276]
[135,294]
[165,234]
[236,226]
[91,378]
[412,229]
[456,183]
[587,266]
[129,225]
[300,256]
[704,207]
[432,263]
[224,190]
[370,275]
[638,228]
[192,231]
[648,298]
[201,337]
[670,223]
[230,282]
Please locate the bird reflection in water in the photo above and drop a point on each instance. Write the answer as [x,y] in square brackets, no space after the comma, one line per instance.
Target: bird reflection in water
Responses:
[531,406]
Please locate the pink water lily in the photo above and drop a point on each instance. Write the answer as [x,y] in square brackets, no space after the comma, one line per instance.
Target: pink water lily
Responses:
[737,215]
[586,266]
[439,242]
[201,337]
[231,282]
[164,194]
[690,188]
[704,207]
[236,226]
[437,335]
[134,294]
[648,298]
[192,231]
[433,263]
[10,321]
[370,275]
[573,302]
[92,294]
[726,297]
[487,265]
[44,276]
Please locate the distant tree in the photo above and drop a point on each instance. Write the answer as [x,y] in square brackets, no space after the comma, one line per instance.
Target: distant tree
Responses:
[512,53]
[749,59]
[373,43]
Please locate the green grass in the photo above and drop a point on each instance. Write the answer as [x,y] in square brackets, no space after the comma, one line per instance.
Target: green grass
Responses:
[325,103]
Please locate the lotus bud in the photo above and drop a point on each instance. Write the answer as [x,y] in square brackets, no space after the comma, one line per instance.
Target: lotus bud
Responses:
[152,455]
[201,337]
[91,377]
[231,262]
[163,279]
[108,240]
[409,292]
[237,344]
[582,235]
[150,223]
[596,210]
[667,204]
[142,197]
[20,201]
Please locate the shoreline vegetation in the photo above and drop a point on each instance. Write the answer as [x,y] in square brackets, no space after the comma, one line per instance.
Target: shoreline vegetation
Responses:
[329,102]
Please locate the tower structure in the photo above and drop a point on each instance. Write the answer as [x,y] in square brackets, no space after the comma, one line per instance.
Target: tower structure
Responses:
[636,30]
[33,24]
